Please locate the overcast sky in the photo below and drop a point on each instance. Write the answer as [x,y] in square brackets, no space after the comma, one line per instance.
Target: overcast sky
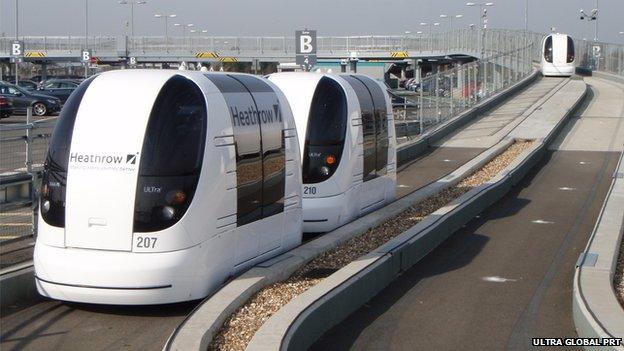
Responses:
[282,17]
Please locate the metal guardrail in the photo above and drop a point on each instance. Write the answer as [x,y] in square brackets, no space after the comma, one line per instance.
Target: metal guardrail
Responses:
[509,56]
[476,42]
[445,95]
[21,161]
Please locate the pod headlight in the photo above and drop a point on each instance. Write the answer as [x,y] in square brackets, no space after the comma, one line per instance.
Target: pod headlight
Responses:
[45,206]
[325,170]
[167,213]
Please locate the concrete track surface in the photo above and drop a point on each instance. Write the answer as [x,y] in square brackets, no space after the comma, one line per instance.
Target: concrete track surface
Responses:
[66,326]
[506,277]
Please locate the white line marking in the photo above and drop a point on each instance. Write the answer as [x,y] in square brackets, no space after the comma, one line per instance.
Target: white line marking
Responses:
[565,188]
[584,163]
[497,279]
[403,186]
[447,160]
[541,221]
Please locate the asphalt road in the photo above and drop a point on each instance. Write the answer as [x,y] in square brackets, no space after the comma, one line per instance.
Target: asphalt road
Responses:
[66,326]
[434,165]
[506,277]
[501,280]
[50,325]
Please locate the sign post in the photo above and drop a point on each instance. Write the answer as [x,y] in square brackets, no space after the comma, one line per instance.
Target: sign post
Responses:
[86,59]
[596,53]
[17,56]
[305,43]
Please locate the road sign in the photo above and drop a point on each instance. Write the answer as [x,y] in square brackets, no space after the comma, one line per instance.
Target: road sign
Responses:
[86,56]
[17,59]
[17,48]
[305,44]
[132,61]
[596,49]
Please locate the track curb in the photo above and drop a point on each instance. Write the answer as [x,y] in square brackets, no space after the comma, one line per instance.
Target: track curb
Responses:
[198,329]
[595,308]
[298,324]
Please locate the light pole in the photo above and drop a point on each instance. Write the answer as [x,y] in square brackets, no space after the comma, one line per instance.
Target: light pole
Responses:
[190,26]
[451,20]
[132,3]
[430,25]
[166,17]
[593,16]
[86,64]
[526,16]
[483,20]
[183,27]
[450,32]
[16,38]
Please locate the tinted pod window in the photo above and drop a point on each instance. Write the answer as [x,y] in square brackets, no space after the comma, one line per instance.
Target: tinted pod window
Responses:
[325,136]
[260,155]
[570,57]
[368,125]
[548,49]
[54,180]
[171,157]
[381,124]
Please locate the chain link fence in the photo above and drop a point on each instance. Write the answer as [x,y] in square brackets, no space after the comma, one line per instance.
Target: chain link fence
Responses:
[444,95]
[24,146]
[509,57]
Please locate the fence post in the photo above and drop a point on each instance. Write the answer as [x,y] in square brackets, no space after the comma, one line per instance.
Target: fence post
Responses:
[451,90]
[29,169]
[420,107]
[437,78]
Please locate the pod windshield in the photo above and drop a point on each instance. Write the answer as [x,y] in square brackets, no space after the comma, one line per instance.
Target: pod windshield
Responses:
[54,180]
[325,134]
[570,57]
[548,49]
[171,157]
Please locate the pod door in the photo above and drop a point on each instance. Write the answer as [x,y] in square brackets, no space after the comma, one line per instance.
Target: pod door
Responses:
[260,163]
[135,146]
[375,131]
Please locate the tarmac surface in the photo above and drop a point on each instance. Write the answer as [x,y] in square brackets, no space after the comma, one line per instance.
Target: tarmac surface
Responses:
[506,277]
[68,326]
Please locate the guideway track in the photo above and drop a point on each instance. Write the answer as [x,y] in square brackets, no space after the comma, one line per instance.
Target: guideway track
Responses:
[66,325]
[507,276]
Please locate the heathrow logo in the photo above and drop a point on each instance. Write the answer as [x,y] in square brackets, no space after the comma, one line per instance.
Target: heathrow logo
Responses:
[124,162]
[131,158]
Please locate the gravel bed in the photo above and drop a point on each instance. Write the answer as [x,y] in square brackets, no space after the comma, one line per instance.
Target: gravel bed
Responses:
[618,280]
[241,326]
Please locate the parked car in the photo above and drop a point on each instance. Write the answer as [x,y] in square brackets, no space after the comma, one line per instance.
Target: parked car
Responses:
[6,107]
[400,101]
[60,88]
[28,84]
[21,98]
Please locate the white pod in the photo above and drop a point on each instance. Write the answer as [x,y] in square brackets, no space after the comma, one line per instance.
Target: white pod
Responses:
[159,185]
[348,145]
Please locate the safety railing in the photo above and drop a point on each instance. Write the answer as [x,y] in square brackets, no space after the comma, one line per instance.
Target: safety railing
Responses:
[478,42]
[443,96]
[471,41]
[24,146]
[509,57]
